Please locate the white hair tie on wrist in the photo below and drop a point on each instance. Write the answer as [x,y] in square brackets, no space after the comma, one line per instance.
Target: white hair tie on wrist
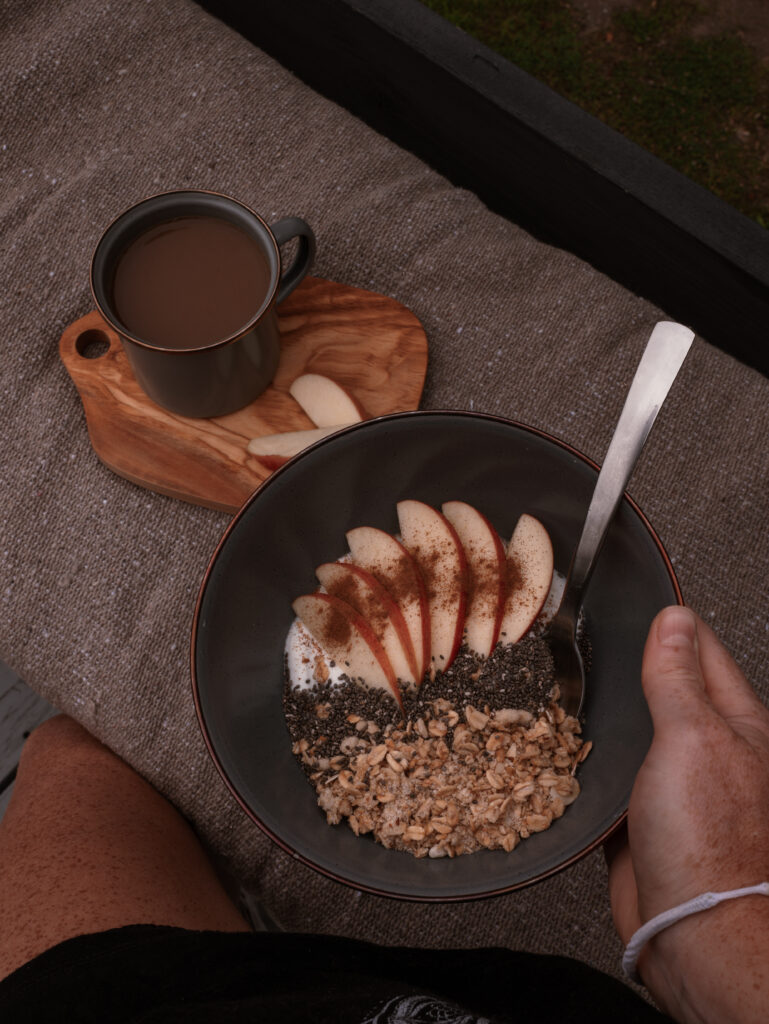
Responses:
[705,901]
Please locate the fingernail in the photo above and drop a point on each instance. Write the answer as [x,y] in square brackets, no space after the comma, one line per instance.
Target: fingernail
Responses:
[676,628]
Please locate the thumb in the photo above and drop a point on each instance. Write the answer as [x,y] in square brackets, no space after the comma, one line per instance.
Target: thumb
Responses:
[671,675]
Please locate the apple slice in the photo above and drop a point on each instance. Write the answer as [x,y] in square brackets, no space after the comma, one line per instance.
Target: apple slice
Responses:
[348,640]
[292,442]
[433,542]
[369,598]
[391,565]
[529,576]
[325,401]
[486,572]
[273,462]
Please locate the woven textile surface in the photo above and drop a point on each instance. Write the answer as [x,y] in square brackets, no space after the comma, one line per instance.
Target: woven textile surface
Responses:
[102,104]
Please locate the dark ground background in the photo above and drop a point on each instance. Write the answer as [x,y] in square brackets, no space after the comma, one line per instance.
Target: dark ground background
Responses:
[686,79]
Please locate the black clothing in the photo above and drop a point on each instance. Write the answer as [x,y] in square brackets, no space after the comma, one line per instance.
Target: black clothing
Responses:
[156,975]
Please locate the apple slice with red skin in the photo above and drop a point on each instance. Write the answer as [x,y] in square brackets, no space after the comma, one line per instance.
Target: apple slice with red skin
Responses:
[529,578]
[272,462]
[348,640]
[436,548]
[369,598]
[393,567]
[486,575]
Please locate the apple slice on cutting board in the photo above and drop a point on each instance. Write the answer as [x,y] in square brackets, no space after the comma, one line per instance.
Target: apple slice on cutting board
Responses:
[433,541]
[486,572]
[393,567]
[529,577]
[325,402]
[369,598]
[291,442]
[348,640]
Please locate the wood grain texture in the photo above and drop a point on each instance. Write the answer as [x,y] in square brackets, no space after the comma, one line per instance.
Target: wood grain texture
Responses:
[370,344]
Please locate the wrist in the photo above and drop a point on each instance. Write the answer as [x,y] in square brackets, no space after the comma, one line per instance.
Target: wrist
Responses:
[712,966]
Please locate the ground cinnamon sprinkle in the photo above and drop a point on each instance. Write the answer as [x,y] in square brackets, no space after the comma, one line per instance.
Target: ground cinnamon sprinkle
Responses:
[401,583]
[339,629]
[513,575]
[442,585]
[428,564]
[367,605]
[483,584]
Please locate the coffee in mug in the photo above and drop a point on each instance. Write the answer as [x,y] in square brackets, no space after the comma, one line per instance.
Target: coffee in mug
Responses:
[189,280]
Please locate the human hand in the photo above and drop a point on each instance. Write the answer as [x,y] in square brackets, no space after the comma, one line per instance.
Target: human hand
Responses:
[698,821]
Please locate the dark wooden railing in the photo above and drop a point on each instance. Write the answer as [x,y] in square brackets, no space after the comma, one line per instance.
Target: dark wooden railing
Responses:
[529,154]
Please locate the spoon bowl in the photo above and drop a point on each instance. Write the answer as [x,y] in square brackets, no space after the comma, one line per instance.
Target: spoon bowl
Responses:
[662,358]
[561,638]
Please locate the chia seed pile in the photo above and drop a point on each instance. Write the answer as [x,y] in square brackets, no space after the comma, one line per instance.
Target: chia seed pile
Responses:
[514,676]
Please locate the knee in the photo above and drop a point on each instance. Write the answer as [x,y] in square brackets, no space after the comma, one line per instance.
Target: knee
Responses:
[73,780]
[60,743]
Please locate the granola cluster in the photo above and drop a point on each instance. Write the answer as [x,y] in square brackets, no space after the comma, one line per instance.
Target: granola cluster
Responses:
[449,781]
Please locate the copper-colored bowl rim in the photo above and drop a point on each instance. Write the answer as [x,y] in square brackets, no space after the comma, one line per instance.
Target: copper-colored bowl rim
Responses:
[373,890]
[264,308]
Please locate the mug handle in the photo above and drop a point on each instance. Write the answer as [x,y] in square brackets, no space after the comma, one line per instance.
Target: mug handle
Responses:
[284,230]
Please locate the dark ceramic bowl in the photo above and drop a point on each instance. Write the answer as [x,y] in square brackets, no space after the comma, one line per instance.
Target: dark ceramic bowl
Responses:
[298,519]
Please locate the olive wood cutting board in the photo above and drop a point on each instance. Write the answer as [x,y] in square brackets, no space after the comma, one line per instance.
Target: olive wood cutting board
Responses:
[370,344]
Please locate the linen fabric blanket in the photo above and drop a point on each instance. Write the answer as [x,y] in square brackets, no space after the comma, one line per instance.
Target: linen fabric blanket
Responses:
[102,104]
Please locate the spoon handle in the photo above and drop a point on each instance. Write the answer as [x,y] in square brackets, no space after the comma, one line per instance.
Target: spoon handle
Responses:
[662,358]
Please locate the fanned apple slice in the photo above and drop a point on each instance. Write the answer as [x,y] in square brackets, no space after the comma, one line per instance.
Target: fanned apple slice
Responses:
[348,640]
[486,575]
[434,543]
[325,401]
[529,576]
[369,598]
[391,565]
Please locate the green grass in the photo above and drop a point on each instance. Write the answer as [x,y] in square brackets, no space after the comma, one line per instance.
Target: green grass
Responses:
[700,103]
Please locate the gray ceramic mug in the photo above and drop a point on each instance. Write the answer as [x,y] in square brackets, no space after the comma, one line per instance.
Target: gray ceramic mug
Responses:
[214,376]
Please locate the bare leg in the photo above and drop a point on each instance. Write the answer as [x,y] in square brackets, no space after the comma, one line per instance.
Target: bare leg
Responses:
[86,844]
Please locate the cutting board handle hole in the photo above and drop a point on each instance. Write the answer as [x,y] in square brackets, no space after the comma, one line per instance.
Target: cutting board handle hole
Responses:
[92,344]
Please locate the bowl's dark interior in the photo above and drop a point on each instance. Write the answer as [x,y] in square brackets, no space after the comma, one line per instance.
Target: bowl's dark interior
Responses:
[298,519]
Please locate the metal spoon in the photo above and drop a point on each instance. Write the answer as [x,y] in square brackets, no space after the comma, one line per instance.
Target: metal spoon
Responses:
[665,352]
